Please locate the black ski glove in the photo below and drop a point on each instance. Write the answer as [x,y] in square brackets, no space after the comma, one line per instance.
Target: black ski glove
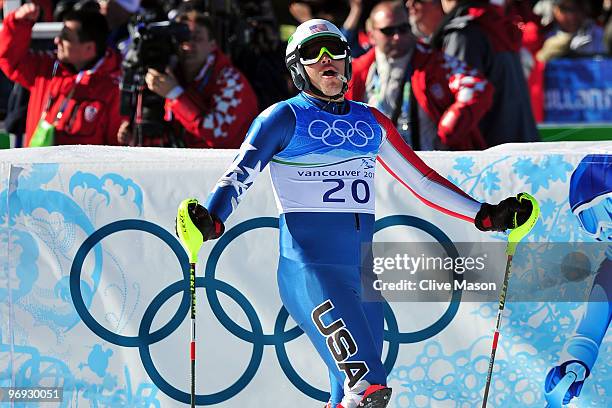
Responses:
[500,217]
[209,225]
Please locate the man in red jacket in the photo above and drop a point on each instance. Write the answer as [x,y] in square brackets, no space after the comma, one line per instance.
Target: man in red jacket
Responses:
[210,102]
[434,100]
[475,32]
[75,91]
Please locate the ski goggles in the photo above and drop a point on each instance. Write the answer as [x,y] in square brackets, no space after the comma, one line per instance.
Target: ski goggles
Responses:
[596,216]
[311,52]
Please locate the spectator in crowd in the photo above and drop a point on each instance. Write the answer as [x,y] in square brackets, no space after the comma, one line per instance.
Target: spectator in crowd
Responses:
[210,102]
[434,100]
[572,33]
[74,94]
[425,17]
[478,34]
[303,10]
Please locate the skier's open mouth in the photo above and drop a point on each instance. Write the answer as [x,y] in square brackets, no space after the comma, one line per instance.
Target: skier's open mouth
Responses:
[329,73]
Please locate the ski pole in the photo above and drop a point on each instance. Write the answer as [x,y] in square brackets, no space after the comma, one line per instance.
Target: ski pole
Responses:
[554,398]
[192,240]
[515,236]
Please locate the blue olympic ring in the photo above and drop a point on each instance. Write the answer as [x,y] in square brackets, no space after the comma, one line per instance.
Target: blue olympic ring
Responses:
[256,337]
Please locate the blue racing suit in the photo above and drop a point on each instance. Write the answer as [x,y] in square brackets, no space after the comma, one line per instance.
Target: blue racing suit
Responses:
[322,158]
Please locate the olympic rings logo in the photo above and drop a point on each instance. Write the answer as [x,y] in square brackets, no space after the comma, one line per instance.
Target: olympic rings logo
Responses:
[255,335]
[340,131]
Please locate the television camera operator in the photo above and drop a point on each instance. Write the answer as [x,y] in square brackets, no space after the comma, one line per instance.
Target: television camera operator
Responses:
[207,101]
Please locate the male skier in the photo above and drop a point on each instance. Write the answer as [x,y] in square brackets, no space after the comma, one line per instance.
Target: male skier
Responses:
[322,151]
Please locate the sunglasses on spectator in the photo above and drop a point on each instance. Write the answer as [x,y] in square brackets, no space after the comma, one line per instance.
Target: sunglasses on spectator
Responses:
[312,51]
[67,35]
[392,30]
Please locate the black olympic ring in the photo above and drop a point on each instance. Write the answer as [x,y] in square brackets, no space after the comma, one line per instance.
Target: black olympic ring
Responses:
[256,337]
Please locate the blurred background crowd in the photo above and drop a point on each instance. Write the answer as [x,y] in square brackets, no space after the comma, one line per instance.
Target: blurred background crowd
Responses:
[451,74]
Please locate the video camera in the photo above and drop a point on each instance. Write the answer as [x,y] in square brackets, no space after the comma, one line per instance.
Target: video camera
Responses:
[152,45]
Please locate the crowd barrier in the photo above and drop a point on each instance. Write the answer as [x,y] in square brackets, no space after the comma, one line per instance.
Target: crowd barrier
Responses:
[94,295]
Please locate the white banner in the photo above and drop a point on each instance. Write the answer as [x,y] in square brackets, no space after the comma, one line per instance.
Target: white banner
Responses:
[94,299]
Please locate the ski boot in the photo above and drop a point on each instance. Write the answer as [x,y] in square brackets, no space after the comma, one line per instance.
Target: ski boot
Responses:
[375,396]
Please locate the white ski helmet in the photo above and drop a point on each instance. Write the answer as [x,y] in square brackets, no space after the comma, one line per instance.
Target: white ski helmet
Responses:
[306,32]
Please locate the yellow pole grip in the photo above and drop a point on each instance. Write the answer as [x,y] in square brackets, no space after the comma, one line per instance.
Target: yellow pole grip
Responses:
[189,235]
[520,231]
